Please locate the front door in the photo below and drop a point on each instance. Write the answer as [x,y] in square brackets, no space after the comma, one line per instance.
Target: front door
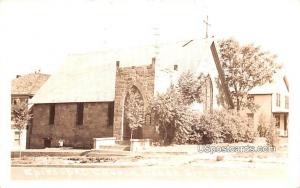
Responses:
[47,142]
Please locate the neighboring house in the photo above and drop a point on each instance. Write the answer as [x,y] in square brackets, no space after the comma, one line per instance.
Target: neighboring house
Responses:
[273,101]
[24,88]
[86,98]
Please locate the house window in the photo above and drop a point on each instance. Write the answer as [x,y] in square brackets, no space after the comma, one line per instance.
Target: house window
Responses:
[79,118]
[51,114]
[110,113]
[286,102]
[277,99]
[17,137]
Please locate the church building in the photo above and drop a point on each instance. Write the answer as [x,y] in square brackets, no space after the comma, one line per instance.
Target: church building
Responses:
[86,98]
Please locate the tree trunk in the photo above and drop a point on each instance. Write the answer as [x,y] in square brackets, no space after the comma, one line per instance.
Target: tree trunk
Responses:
[131,134]
[237,104]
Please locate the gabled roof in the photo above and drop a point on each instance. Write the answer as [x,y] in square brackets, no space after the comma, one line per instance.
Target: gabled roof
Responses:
[28,84]
[91,77]
[279,84]
[82,78]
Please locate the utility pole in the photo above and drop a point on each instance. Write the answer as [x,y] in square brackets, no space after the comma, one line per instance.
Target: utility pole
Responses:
[156,36]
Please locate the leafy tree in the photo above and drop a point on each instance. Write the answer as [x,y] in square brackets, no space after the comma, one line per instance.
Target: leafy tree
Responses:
[170,114]
[134,110]
[171,109]
[190,87]
[245,67]
[21,115]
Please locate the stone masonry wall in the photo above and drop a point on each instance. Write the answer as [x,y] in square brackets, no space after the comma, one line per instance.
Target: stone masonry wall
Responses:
[141,77]
[95,125]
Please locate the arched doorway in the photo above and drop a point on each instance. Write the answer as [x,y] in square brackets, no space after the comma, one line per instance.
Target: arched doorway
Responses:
[133,114]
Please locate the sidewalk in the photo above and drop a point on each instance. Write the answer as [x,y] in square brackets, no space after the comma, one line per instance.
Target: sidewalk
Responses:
[174,155]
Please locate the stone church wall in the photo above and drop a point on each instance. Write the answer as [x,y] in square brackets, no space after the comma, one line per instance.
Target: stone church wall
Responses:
[95,125]
[142,77]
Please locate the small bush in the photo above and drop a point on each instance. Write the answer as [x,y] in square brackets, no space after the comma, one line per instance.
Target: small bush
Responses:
[271,137]
[221,126]
[263,125]
[206,129]
[267,128]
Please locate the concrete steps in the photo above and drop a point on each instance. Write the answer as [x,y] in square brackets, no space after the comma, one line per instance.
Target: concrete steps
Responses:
[120,149]
[107,153]
[116,147]
[123,142]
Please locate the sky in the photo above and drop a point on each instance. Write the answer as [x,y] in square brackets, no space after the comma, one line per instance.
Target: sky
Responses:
[40,34]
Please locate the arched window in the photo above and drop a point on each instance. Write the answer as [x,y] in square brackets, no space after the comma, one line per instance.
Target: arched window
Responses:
[208,101]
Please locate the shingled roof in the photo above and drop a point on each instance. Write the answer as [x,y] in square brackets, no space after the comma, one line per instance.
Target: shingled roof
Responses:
[279,84]
[28,84]
[91,77]
[82,78]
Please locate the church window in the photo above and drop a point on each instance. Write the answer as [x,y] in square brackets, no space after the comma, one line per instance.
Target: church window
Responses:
[51,114]
[110,114]
[208,100]
[79,115]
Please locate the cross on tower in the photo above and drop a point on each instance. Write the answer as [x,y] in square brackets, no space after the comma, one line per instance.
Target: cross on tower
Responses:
[206,26]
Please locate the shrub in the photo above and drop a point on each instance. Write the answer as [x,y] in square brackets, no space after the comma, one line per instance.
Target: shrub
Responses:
[221,126]
[206,129]
[271,137]
[263,125]
[176,123]
[267,128]
[184,130]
